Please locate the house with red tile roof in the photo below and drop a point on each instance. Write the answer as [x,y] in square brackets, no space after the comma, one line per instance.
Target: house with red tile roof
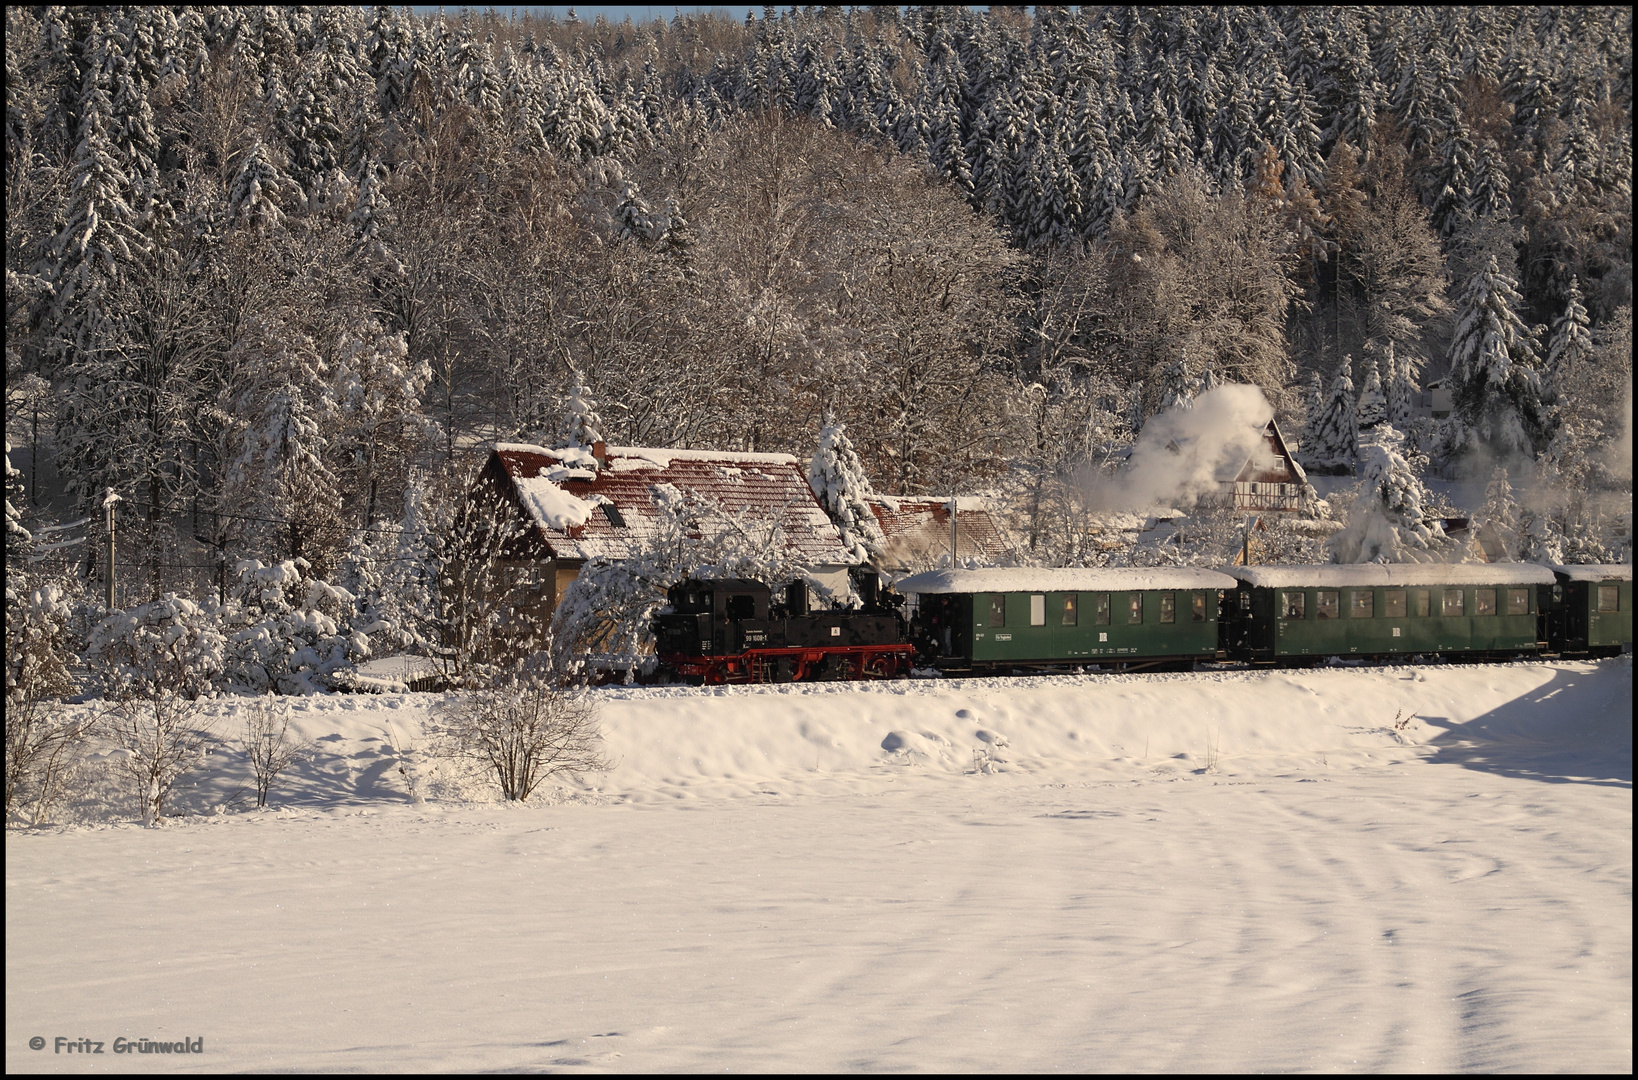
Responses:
[567,506]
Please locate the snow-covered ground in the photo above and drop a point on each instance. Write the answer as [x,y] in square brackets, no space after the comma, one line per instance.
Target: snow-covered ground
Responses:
[1217,871]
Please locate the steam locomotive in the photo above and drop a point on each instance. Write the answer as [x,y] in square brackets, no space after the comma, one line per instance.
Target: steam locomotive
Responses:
[739,631]
[1001,619]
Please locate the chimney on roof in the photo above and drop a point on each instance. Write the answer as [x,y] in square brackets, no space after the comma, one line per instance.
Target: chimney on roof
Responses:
[600,453]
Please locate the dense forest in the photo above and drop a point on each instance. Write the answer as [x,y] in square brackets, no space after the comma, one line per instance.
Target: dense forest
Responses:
[274,275]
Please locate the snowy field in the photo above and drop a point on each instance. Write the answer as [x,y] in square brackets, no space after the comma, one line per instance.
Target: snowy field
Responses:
[1218,871]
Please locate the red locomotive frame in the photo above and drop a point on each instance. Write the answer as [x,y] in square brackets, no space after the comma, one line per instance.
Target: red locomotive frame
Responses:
[800,664]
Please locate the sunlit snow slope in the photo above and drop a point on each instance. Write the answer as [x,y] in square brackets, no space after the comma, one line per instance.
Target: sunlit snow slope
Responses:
[1226,871]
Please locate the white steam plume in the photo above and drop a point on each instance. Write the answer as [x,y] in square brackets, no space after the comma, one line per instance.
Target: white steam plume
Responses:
[1184,453]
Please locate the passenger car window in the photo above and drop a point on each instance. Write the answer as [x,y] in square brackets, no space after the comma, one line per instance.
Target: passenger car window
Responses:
[1325,605]
[1393,603]
[1362,604]
[1452,602]
[1134,607]
[1609,598]
[998,609]
[1518,601]
[1101,610]
[1037,610]
[1422,603]
[1168,607]
[1484,601]
[1197,607]
[1291,604]
[1069,610]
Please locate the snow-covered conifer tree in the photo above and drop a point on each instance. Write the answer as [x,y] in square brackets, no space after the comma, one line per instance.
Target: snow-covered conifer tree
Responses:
[1492,360]
[1335,437]
[1373,403]
[1499,516]
[1401,392]
[1177,386]
[1385,523]
[1570,345]
[838,478]
[579,424]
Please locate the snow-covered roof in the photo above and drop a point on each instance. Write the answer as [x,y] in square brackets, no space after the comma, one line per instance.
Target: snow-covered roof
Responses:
[561,492]
[916,527]
[1595,572]
[1367,575]
[1068,579]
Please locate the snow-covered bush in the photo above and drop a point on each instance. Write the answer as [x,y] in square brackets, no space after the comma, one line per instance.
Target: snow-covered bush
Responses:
[172,644]
[269,744]
[163,736]
[286,632]
[520,728]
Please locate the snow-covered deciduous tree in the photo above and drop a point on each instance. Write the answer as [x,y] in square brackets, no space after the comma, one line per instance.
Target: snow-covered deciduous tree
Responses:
[837,477]
[1385,522]
[1333,444]
[1373,403]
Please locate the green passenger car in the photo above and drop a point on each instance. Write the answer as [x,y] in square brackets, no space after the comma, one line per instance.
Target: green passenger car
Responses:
[1286,613]
[1591,612]
[997,619]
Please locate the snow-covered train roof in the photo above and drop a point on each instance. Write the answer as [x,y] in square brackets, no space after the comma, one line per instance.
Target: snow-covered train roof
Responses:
[1596,572]
[1366,575]
[1067,579]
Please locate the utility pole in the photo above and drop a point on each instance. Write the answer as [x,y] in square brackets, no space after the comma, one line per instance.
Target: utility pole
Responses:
[108,503]
[952,528]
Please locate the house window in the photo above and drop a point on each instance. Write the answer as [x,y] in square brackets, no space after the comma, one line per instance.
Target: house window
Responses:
[1100,610]
[1168,607]
[1326,606]
[1037,610]
[1452,602]
[612,512]
[1362,604]
[1484,601]
[1134,608]
[1291,604]
[1197,607]
[1069,610]
[1609,598]
[1393,603]
[1518,601]
[998,609]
